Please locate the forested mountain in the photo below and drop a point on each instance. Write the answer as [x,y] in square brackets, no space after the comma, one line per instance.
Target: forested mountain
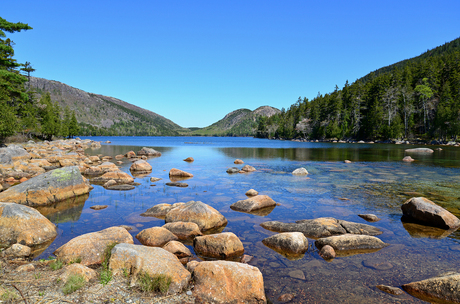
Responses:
[241,122]
[414,98]
[103,115]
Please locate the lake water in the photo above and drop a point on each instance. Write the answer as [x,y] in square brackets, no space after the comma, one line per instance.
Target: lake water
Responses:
[376,181]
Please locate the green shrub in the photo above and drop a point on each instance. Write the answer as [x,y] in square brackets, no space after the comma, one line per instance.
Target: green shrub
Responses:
[156,283]
[74,282]
[106,274]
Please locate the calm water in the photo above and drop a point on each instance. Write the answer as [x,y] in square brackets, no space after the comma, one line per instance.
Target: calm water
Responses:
[376,182]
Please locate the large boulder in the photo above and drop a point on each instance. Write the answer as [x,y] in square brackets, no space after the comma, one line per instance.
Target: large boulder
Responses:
[155,236]
[350,243]
[289,242]
[228,282]
[221,245]
[148,152]
[138,259]
[183,230]
[48,188]
[426,212]
[24,225]
[442,289]
[90,247]
[322,227]
[253,203]
[205,216]
[141,166]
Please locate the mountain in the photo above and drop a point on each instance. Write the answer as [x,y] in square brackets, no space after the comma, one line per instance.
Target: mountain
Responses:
[413,99]
[241,122]
[104,115]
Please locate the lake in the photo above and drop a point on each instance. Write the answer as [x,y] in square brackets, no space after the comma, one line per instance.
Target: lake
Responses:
[376,181]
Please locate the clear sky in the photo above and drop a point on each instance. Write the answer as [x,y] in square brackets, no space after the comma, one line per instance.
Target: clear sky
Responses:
[195,61]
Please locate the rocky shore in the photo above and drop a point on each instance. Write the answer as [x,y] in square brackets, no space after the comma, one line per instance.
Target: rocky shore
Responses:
[114,269]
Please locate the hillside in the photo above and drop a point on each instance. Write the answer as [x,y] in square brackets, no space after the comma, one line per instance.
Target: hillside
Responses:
[417,98]
[241,122]
[104,115]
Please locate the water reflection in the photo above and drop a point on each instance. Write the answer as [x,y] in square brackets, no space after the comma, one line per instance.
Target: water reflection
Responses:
[64,211]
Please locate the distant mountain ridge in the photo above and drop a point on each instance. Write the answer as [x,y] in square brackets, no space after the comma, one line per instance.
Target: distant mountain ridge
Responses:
[241,122]
[104,115]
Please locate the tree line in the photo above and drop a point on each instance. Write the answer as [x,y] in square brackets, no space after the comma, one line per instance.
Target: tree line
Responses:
[20,111]
[416,98]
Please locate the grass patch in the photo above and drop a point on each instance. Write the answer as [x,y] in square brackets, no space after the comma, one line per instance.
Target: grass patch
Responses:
[7,295]
[74,282]
[106,274]
[75,261]
[56,264]
[156,283]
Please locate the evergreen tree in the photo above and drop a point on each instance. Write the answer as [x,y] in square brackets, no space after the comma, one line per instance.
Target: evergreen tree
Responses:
[74,129]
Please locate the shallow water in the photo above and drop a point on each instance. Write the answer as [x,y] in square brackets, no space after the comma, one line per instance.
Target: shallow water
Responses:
[376,181]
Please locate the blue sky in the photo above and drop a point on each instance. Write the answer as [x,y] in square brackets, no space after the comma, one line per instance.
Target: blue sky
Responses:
[195,61]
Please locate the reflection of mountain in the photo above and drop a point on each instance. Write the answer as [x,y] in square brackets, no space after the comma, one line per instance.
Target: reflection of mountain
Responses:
[316,154]
[65,211]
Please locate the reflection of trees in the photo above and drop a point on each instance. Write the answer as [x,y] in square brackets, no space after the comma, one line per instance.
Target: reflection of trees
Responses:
[65,211]
[113,150]
[317,154]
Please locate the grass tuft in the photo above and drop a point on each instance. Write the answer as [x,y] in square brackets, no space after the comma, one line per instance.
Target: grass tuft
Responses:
[56,264]
[106,274]
[156,283]
[74,282]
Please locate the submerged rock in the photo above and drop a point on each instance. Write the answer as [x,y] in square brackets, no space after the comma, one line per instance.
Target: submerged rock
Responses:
[247,169]
[419,150]
[322,227]
[221,245]
[233,170]
[351,242]
[253,203]
[369,217]
[177,184]
[390,290]
[138,259]
[228,282]
[327,253]
[426,212]
[205,216]
[189,159]
[408,159]
[443,289]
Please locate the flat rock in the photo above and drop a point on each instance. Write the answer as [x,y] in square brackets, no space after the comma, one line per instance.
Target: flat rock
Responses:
[148,152]
[253,203]
[177,184]
[24,225]
[90,247]
[222,245]
[17,251]
[98,207]
[183,230]
[377,264]
[322,227]
[154,179]
[290,242]
[228,282]
[189,159]
[121,187]
[118,176]
[419,150]
[179,173]
[297,274]
[155,236]
[139,259]
[426,212]
[205,216]
[300,171]
[12,153]
[443,289]
[47,188]
[351,242]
